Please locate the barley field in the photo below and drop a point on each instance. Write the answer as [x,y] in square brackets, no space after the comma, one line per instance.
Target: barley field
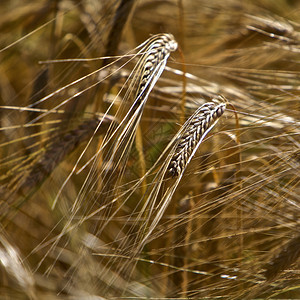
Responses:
[149,149]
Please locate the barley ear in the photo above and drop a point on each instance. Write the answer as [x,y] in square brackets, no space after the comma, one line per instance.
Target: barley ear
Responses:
[194,129]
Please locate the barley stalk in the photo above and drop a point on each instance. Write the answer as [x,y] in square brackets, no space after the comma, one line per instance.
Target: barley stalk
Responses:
[121,17]
[193,130]
[187,141]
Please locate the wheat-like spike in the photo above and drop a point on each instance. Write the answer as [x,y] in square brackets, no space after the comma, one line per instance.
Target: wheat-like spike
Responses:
[57,151]
[63,146]
[150,66]
[193,130]
[284,259]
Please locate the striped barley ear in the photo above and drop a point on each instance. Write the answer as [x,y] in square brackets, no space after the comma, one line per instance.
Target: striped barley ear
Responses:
[193,130]
[155,53]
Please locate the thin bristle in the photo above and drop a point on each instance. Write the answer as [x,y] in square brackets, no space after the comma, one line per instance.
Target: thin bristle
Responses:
[194,129]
